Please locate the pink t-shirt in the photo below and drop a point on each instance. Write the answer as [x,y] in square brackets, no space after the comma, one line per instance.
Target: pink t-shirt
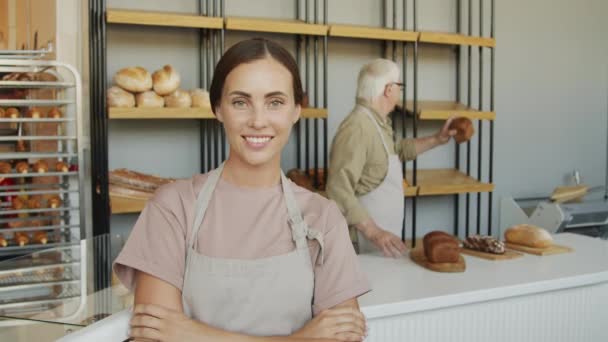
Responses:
[243,223]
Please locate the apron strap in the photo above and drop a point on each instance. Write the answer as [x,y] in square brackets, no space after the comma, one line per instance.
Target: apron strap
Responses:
[200,207]
[300,231]
[371,117]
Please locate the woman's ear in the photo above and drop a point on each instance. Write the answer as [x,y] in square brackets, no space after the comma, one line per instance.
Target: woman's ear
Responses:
[297,113]
[218,114]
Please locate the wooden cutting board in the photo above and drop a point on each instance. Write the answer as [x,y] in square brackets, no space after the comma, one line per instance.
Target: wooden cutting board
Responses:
[417,255]
[551,250]
[509,254]
[569,193]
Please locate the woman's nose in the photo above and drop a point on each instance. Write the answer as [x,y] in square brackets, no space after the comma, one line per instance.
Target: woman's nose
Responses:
[258,118]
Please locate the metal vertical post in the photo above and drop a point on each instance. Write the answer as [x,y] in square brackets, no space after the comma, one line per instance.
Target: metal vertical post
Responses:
[404,108]
[307,77]
[298,128]
[316,90]
[491,171]
[480,122]
[458,99]
[469,104]
[325,58]
[415,126]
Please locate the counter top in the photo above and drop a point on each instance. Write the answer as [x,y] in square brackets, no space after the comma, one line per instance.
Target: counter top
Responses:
[399,286]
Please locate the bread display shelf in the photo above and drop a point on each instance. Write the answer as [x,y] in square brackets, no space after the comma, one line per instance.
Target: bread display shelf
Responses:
[33,120]
[32,103]
[36,137]
[36,85]
[445,38]
[366,32]
[275,26]
[444,182]
[24,155]
[442,110]
[37,211]
[37,174]
[116,16]
[187,113]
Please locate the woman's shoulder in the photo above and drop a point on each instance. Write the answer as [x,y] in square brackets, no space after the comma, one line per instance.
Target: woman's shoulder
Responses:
[320,212]
[180,191]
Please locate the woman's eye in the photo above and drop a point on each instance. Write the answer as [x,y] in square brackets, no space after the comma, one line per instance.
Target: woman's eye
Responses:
[276,103]
[238,104]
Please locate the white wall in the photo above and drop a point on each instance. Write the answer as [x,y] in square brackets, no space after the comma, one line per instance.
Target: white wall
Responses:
[551,90]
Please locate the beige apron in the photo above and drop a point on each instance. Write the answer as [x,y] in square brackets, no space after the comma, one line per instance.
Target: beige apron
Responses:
[262,297]
[385,203]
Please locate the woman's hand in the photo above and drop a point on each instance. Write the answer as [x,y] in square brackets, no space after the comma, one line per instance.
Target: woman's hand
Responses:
[155,323]
[342,324]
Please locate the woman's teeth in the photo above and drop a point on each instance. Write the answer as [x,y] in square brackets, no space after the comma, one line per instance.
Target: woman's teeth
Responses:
[257,140]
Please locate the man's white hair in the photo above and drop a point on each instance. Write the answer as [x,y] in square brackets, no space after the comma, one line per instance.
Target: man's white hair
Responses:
[373,78]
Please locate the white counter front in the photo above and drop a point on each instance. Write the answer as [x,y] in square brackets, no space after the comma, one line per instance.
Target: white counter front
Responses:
[560,297]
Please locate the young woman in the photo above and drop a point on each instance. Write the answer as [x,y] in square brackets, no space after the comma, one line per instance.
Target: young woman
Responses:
[241,253]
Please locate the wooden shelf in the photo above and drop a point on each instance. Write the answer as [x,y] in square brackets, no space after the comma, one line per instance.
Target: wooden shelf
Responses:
[124,204]
[366,32]
[408,190]
[434,182]
[189,113]
[442,110]
[160,113]
[455,39]
[115,16]
[275,26]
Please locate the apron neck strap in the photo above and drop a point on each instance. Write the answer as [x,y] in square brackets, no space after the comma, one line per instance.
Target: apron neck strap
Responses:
[299,229]
[202,202]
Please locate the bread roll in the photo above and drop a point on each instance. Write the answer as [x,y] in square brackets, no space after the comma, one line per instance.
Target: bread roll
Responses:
[12,113]
[178,99]
[528,235]
[21,147]
[34,203]
[166,80]
[22,167]
[34,113]
[41,237]
[41,166]
[5,167]
[61,167]
[440,247]
[3,241]
[117,97]
[301,179]
[135,79]
[464,129]
[149,99]
[2,113]
[21,238]
[17,203]
[55,113]
[200,98]
[54,202]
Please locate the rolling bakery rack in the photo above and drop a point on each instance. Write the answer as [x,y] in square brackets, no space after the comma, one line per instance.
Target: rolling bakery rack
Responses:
[41,188]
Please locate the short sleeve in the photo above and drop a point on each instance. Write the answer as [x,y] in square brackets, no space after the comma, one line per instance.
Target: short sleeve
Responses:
[155,246]
[340,276]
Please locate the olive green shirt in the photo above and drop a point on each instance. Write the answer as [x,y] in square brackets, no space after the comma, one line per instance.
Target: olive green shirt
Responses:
[358,162]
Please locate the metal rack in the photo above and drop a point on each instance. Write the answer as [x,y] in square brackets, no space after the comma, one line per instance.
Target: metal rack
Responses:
[42,275]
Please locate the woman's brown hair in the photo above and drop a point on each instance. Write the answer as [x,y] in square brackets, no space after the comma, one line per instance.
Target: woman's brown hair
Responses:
[248,51]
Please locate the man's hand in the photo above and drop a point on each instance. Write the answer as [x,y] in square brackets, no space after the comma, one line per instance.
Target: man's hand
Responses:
[445,133]
[387,242]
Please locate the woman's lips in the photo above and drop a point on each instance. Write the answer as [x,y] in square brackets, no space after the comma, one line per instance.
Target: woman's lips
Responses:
[257,142]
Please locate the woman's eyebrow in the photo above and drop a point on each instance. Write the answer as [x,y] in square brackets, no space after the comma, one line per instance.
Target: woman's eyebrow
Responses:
[275,93]
[240,93]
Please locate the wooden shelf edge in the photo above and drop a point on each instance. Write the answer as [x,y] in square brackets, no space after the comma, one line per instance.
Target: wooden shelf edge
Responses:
[366,32]
[275,26]
[142,113]
[438,190]
[442,110]
[120,204]
[445,38]
[437,182]
[133,17]
[444,115]
[160,113]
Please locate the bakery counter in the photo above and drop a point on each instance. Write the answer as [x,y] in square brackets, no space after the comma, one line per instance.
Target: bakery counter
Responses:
[561,297]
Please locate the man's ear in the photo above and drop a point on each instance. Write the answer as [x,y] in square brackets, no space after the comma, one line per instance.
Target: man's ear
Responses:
[387,90]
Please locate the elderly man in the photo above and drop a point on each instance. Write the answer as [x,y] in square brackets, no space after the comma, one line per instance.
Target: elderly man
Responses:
[365,174]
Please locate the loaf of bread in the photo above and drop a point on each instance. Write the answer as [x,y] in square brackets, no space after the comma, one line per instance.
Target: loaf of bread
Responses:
[21,238]
[486,244]
[2,113]
[528,235]
[34,203]
[134,79]
[21,146]
[117,97]
[17,203]
[200,98]
[464,129]
[178,99]
[54,202]
[40,237]
[440,247]
[149,99]
[3,241]
[165,80]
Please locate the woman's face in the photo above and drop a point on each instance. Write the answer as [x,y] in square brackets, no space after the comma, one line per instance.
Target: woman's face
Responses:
[258,110]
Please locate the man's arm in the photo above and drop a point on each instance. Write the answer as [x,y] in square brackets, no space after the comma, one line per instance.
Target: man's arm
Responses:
[409,149]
